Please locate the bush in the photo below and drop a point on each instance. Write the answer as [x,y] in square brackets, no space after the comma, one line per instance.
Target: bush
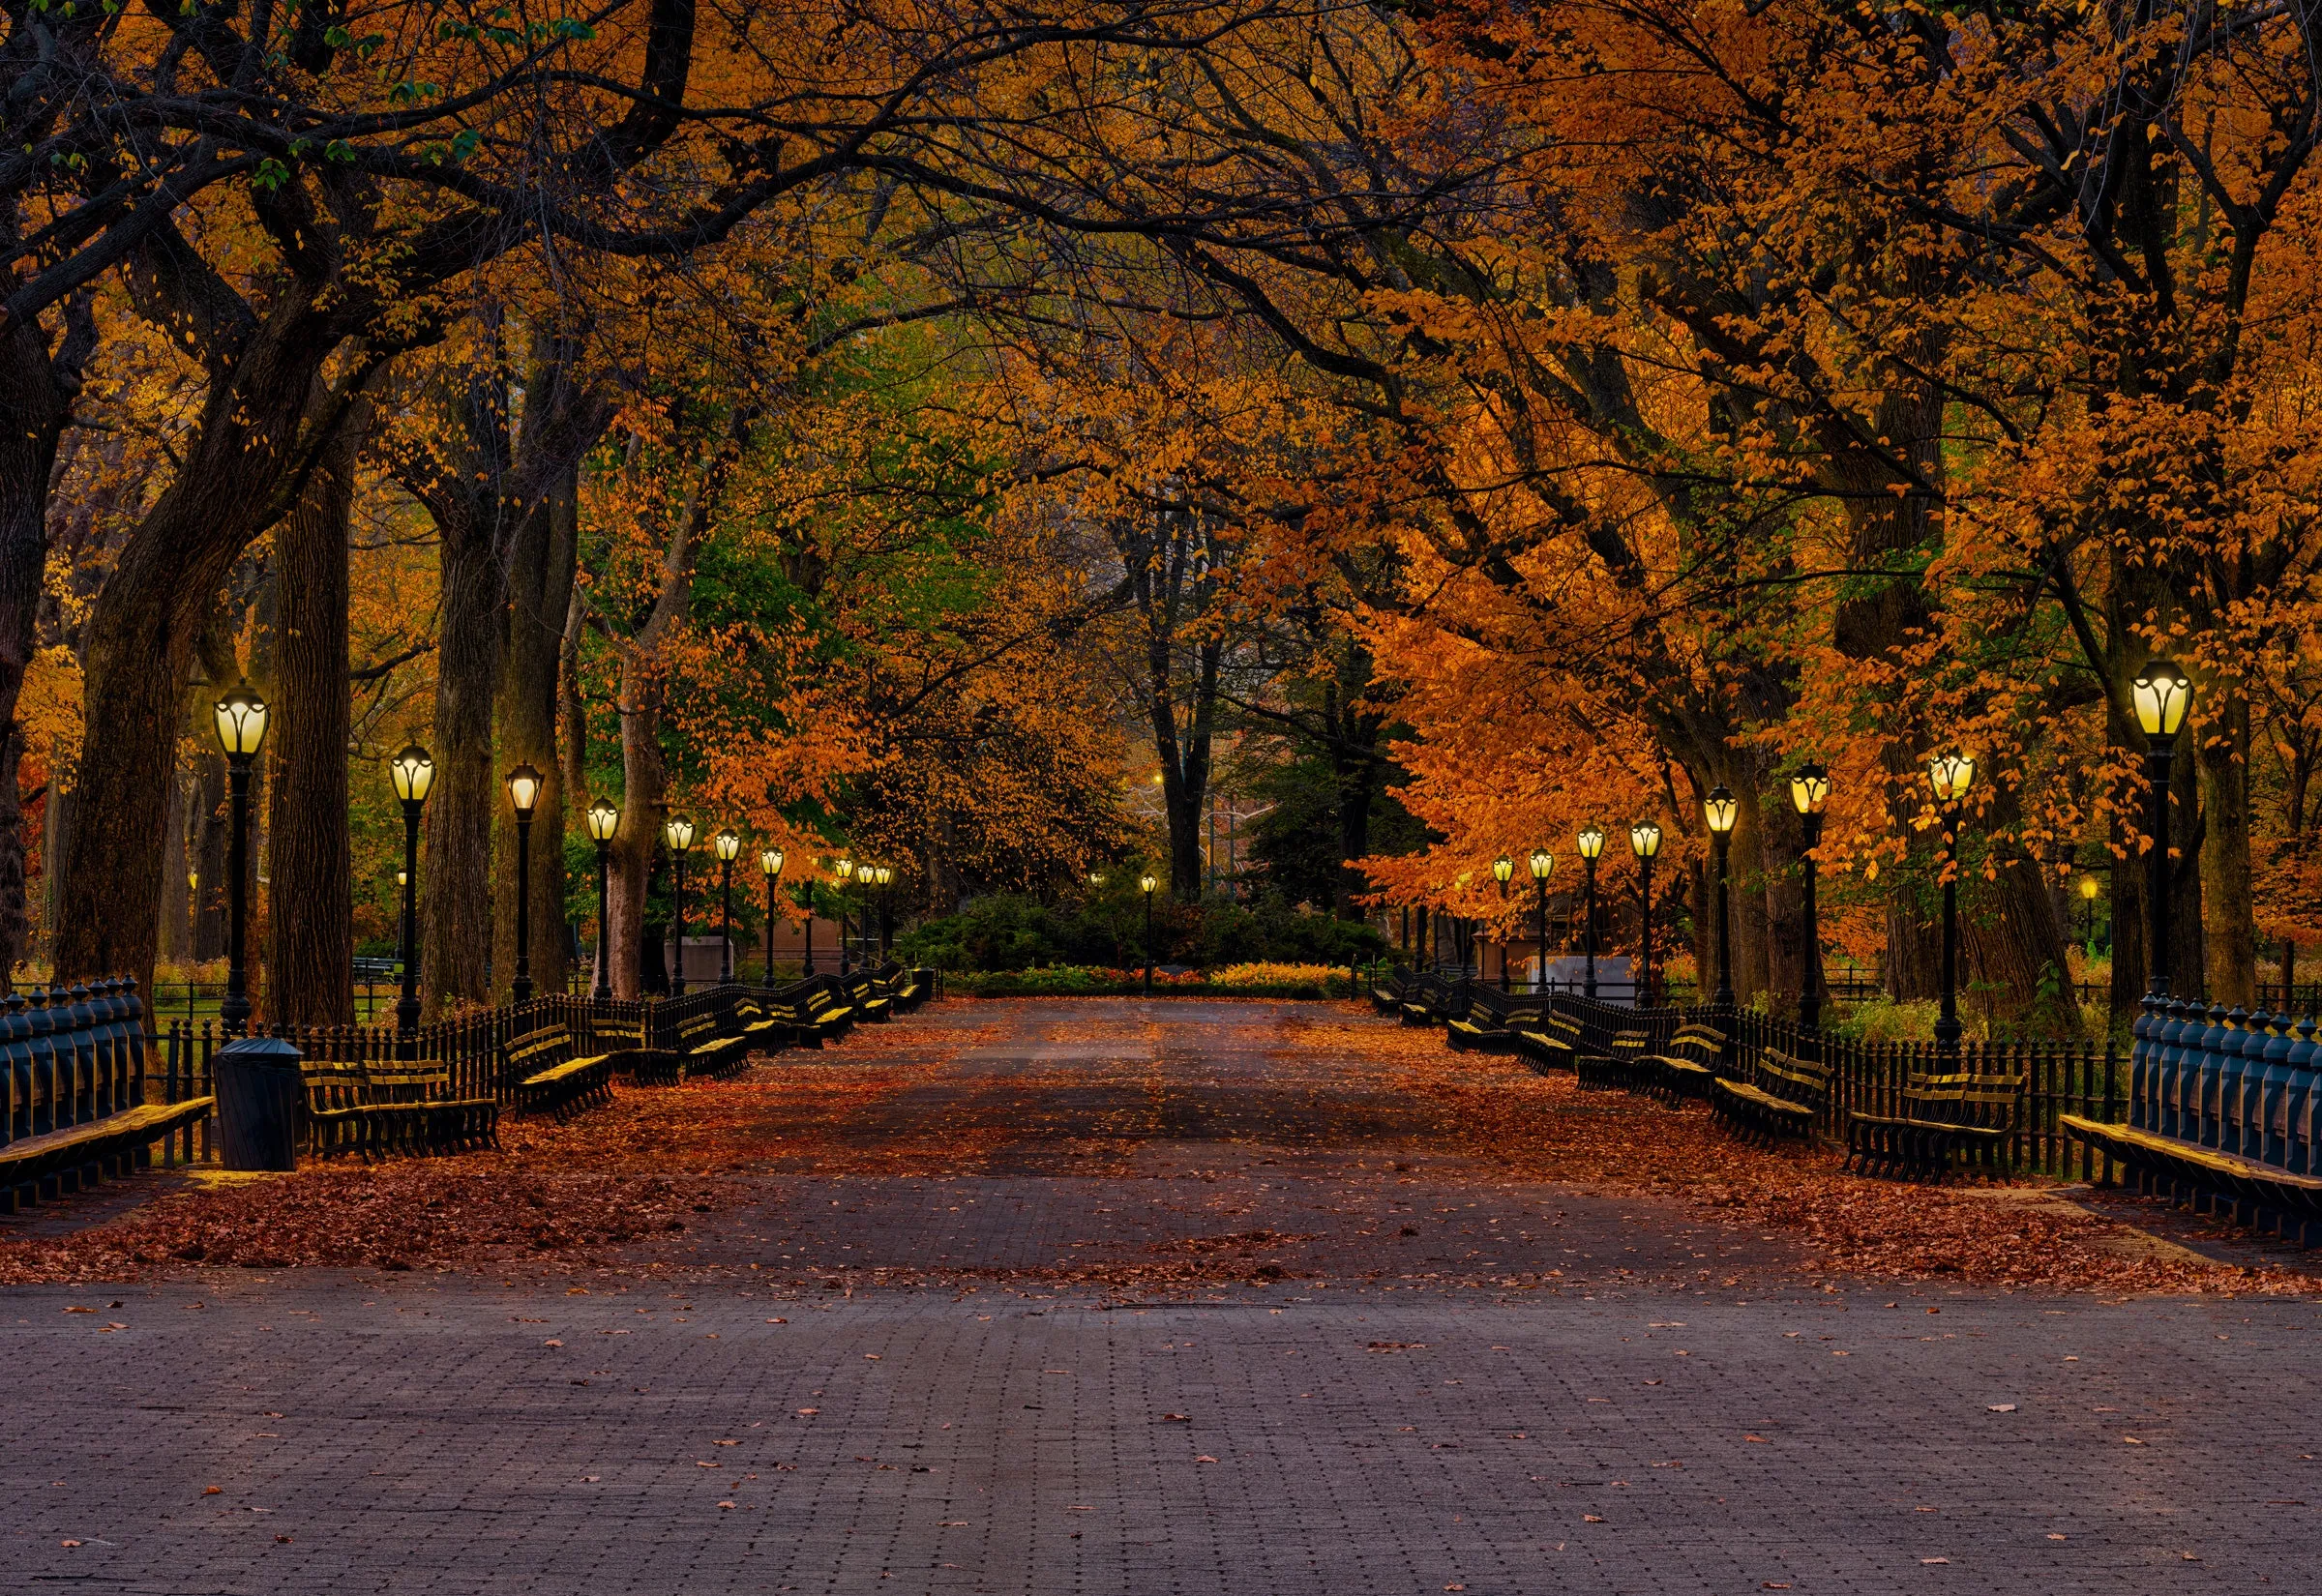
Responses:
[1306,981]
[1006,931]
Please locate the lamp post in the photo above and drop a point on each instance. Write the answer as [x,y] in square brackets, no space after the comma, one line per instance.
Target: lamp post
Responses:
[678,832]
[603,821]
[843,872]
[1809,791]
[886,917]
[241,717]
[1720,811]
[1145,884]
[413,774]
[1544,863]
[769,860]
[523,793]
[728,848]
[865,875]
[1591,848]
[1645,840]
[1503,870]
[1951,775]
[2162,694]
[2088,913]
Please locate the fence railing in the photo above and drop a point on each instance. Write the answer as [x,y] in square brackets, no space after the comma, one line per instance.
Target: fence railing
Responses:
[2245,1085]
[71,1055]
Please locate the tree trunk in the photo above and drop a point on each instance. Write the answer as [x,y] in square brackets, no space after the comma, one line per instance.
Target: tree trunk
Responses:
[540,591]
[456,875]
[140,642]
[645,783]
[2229,948]
[173,936]
[2013,940]
[1781,865]
[35,398]
[310,926]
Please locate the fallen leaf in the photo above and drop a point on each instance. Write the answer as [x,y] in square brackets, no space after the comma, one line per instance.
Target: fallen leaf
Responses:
[212,1489]
[1176,1418]
[1930,1561]
[1760,1440]
[1591,1519]
[1205,1458]
[2003,1407]
[73,1543]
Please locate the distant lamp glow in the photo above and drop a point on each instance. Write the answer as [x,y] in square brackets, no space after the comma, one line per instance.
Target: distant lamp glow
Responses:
[1951,775]
[2089,888]
[678,832]
[1542,862]
[865,874]
[769,860]
[2162,694]
[845,869]
[1645,839]
[1720,810]
[1503,870]
[524,789]
[1146,883]
[1591,843]
[1809,789]
[729,846]
[884,875]
[1096,877]
[602,820]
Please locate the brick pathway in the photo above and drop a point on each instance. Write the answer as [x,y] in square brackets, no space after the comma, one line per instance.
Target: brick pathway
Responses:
[1667,1406]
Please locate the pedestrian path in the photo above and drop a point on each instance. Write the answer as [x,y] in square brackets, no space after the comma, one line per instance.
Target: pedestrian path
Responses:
[1161,1300]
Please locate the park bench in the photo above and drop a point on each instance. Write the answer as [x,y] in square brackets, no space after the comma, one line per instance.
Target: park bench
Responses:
[1386,993]
[624,1039]
[405,1109]
[1554,1044]
[1949,1118]
[1690,1065]
[760,1029]
[823,1018]
[79,1155]
[706,1046]
[910,988]
[1782,1097]
[870,996]
[1622,1066]
[548,1074]
[1491,1022]
[2205,1169]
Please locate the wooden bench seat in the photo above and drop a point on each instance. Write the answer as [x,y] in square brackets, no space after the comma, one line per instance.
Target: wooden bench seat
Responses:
[79,1153]
[549,1076]
[1781,1098]
[403,1118]
[1487,1032]
[1554,1044]
[624,1043]
[2205,1169]
[823,1018]
[1623,1066]
[1947,1120]
[706,1047]
[1690,1065]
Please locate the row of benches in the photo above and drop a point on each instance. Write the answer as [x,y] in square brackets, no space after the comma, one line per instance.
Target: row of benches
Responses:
[1945,1120]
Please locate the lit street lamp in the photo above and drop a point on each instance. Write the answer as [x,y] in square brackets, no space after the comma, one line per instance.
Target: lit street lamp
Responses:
[1591,848]
[2088,913]
[1951,775]
[1720,811]
[413,774]
[523,793]
[1145,884]
[678,832]
[1809,791]
[2162,694]
[1645,840]
[1503,870]
[603,821]
[1542,864]
[241,717]
[769,860]
[728,848]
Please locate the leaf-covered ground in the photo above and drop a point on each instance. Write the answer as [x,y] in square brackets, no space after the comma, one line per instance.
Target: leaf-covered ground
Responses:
[1121,1098]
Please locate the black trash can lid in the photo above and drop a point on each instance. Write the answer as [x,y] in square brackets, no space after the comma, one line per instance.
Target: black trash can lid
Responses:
[261,1049]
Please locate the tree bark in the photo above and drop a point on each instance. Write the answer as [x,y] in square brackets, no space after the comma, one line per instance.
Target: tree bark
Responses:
[455,873]
[310,921]
[540,592]
[141,634]
[644,779]
[2229,944]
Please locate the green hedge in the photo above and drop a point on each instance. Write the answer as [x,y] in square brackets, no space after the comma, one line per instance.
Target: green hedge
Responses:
[1075,981]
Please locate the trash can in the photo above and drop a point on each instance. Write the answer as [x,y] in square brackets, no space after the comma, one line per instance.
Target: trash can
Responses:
[261,1098]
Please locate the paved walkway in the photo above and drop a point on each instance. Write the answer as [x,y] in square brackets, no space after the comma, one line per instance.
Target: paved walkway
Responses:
[983,1377]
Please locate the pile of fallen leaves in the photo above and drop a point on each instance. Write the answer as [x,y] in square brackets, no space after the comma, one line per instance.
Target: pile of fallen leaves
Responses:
[1546,1128]
[423,1213]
